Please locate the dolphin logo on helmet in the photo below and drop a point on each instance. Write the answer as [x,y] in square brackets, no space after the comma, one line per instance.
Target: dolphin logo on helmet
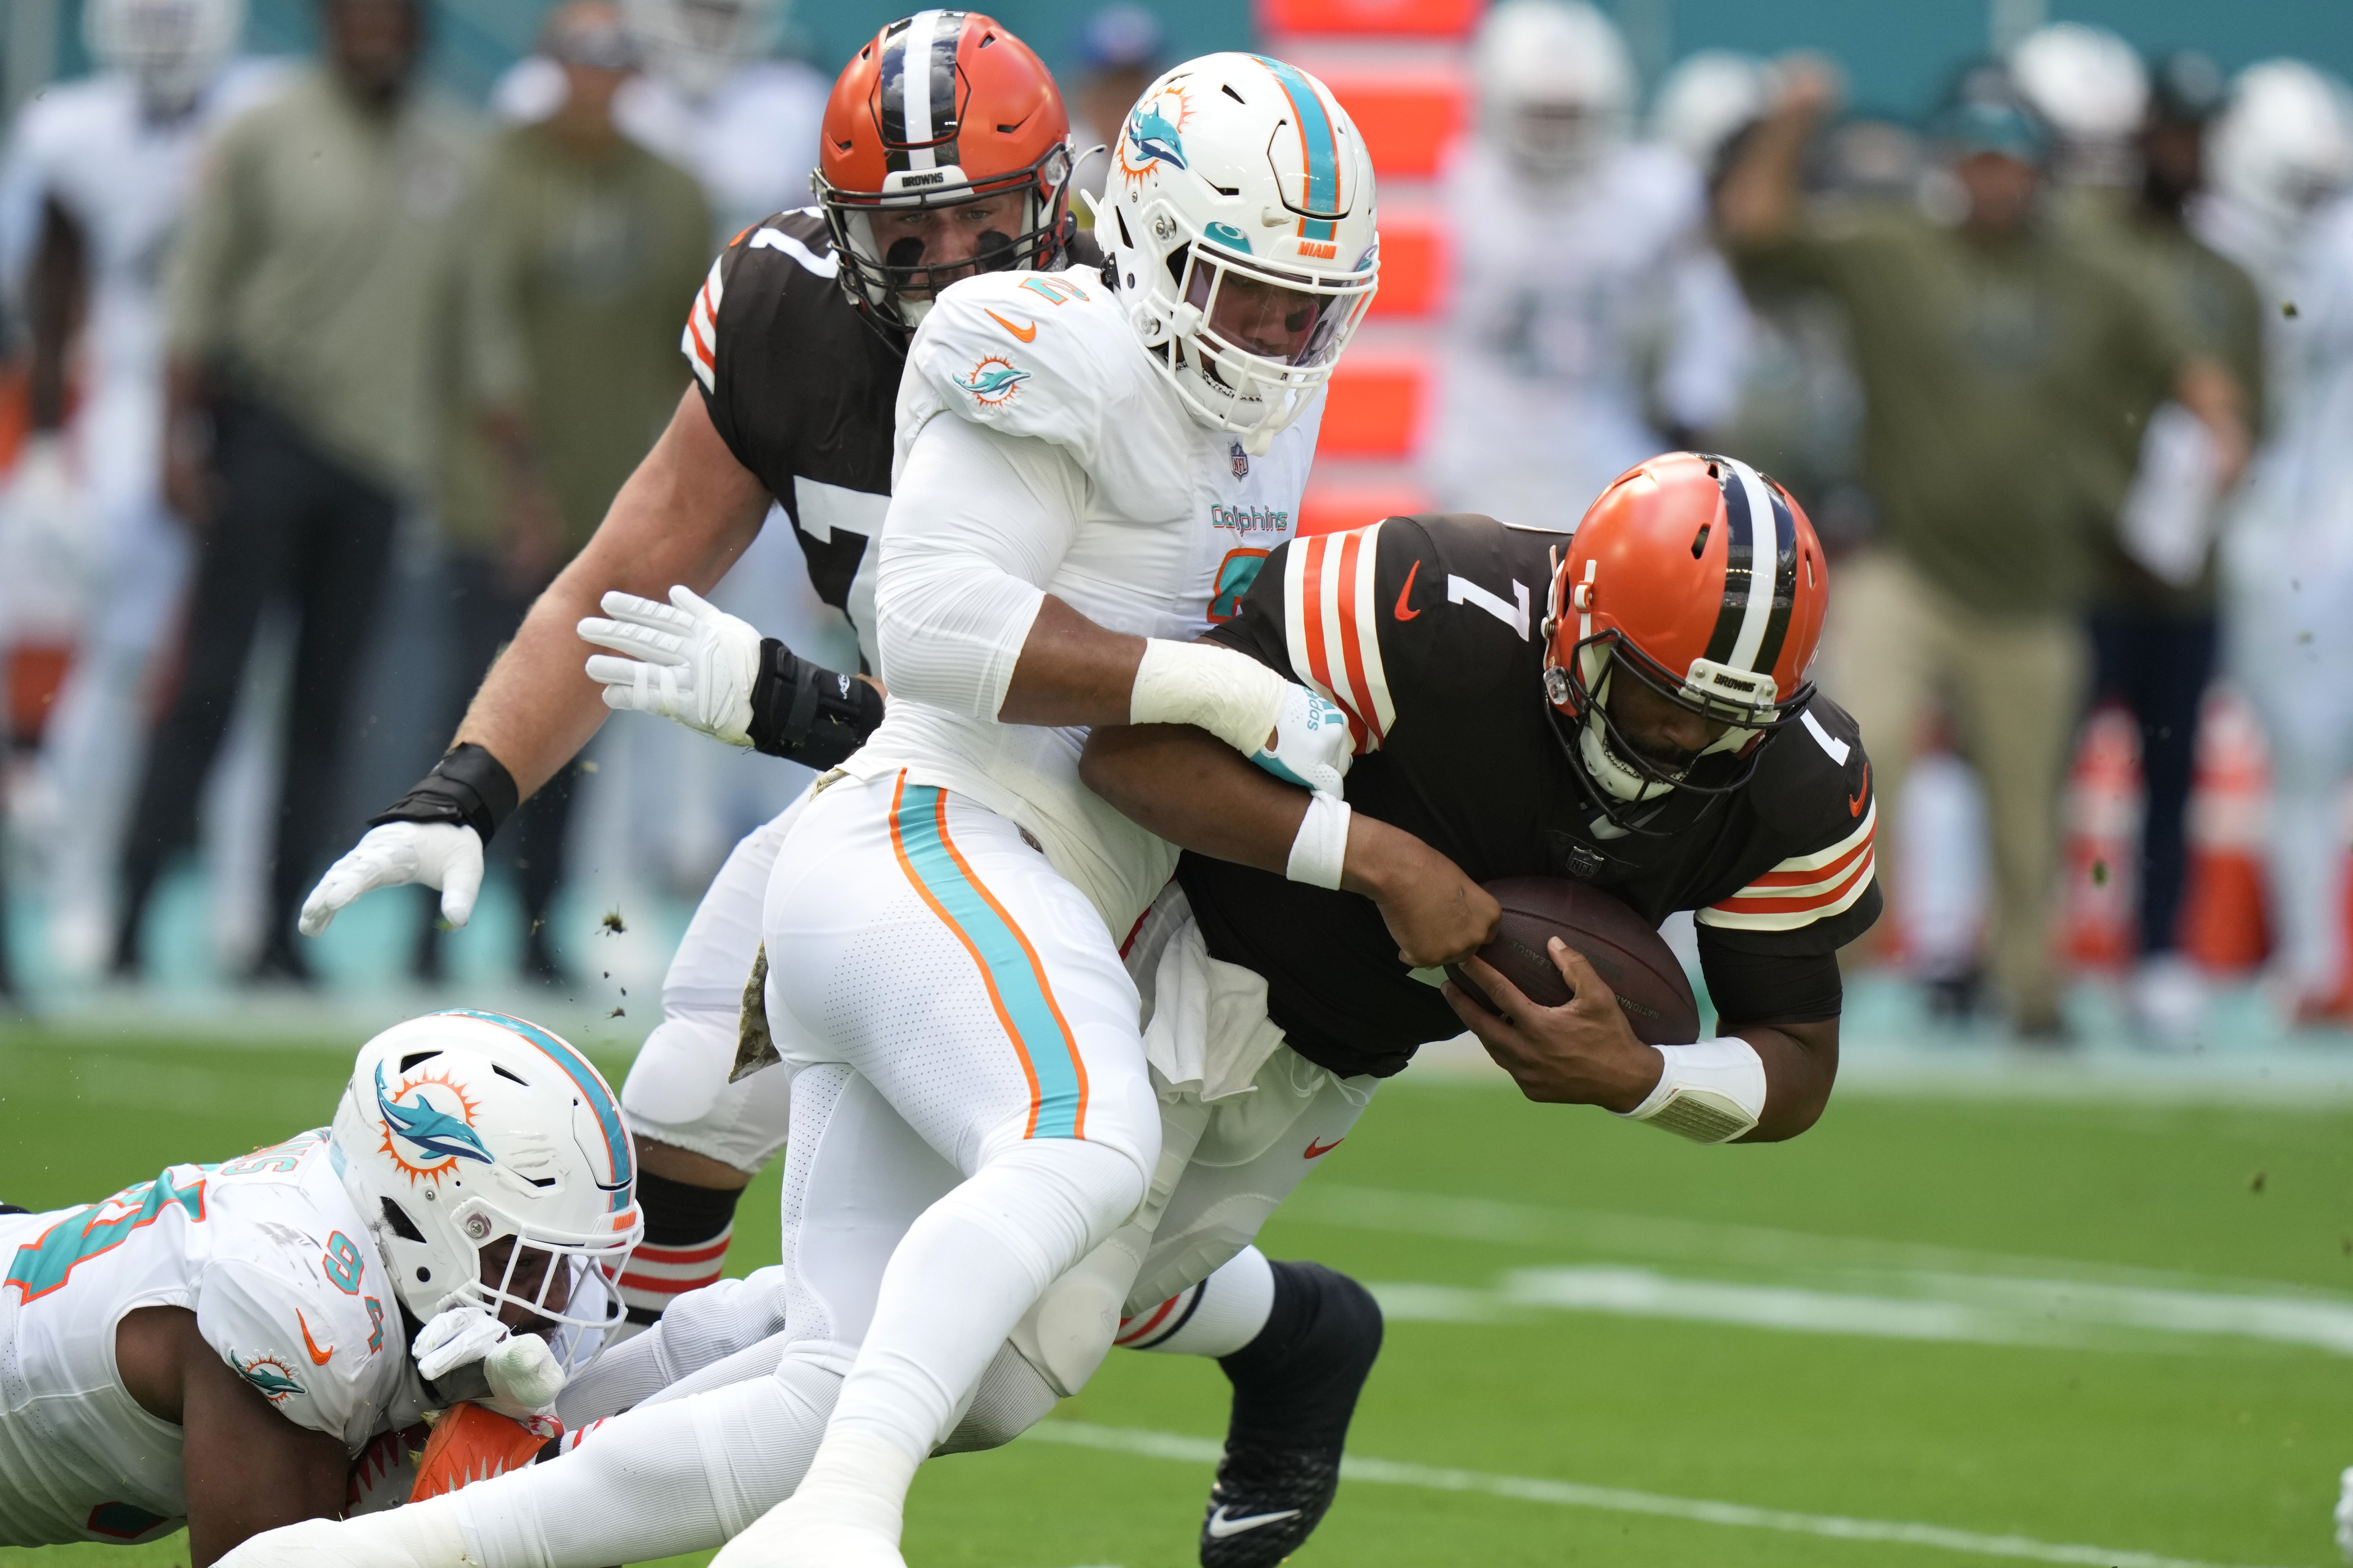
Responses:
[1152,138]
[441,1135]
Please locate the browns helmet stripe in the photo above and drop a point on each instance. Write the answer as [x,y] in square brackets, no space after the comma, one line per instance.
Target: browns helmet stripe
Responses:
[1785,580]
[918,115]
[1753,621]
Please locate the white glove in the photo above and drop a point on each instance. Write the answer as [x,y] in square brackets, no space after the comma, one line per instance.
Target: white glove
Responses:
[522,1372]
[1311,745]
[2345,1515]
[444,854]
[687,660]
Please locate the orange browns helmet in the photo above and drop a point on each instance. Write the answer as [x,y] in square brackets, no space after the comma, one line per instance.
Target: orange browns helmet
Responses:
[942,107]
[1701,578]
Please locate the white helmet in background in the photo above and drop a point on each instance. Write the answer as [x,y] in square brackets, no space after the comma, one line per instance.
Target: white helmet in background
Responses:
[695,45]
[2284,145]
[1238,217]
[1709,99]
[461,1129]
[2092,89]
[1556,83]
[170,48]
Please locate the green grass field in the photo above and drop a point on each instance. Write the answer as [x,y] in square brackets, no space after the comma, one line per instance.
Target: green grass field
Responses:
[1928,1332]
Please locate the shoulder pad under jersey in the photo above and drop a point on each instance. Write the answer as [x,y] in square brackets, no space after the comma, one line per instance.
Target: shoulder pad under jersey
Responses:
[1048,355]
[784,250]
[294,1301]
[1811,793]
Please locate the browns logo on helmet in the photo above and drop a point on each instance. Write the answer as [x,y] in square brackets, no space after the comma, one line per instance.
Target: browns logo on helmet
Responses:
[1700,577]
[941,109]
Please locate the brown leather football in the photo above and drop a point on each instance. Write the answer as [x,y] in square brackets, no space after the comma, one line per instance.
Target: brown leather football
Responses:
[1624,950]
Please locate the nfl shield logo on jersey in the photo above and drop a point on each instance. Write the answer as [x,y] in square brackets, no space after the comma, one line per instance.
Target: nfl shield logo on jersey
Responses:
[1241,462]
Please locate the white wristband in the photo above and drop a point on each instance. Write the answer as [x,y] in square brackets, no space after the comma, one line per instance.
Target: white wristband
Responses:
[1229,694]
[1321,846]
[1710,1093]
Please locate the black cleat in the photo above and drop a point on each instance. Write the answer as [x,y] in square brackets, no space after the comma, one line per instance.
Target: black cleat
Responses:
[1295,1389]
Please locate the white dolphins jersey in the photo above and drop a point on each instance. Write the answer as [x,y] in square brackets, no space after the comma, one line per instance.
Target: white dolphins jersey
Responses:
[126,179]
[270,1253]
[1173,521]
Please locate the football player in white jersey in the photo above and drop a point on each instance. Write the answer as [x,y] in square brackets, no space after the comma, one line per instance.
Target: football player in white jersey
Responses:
[1081,465]
[101,167]
[228,1347]
[1594,310]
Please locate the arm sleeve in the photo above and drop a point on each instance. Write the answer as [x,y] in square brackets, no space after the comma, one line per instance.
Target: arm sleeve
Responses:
[978,523]
[1769,988]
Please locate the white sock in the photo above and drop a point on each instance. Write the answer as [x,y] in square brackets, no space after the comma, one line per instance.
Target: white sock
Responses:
[1215,1318]
[671,1478]
[962,1276]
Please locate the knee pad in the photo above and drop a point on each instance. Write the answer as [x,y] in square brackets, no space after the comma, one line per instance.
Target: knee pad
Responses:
[1070,1330]
[1012,1396]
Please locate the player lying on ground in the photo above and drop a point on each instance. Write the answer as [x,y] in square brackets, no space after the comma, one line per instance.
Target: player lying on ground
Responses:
[940,931]
[1651,735]
[228,1347]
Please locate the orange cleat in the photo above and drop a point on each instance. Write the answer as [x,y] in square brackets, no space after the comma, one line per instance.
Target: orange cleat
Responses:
[470,1444]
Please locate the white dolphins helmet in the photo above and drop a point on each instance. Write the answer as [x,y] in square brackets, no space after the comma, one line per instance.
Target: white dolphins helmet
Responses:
[1707,100]
[1556,83]
[1240,223]
[461,1129]
[2285,142]
[2092,89]
[170,48]
[695,45]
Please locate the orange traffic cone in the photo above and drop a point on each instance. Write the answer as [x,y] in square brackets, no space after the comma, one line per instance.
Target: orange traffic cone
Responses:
[2103,803]
[2222,923]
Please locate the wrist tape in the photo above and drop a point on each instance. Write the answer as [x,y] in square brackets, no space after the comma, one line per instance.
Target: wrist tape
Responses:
[1710,1093]
[808,714]
[1229,694]
[1321,846]
[467,786]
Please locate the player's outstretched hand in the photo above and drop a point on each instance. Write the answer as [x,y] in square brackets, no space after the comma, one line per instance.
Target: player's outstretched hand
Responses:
[1310,746]
[687,660]
[1581,1053]
[444,854]
[522,1372]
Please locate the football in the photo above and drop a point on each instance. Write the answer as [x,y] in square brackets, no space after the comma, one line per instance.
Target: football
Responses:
[1637,964]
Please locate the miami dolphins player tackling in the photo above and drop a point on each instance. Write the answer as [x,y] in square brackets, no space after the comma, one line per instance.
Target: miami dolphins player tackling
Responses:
[240,1345]
[1087,473]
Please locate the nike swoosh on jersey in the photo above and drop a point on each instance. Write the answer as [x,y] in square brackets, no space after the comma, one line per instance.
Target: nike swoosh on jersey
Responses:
[1315,1154]
[1220,1527]
[318,1357]
[1024,335]
[1855,802]
[1404,612]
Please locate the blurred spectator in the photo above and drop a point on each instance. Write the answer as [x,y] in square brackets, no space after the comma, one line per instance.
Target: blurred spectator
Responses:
[1119,57]
[1989,351]
[592,247]
[97,174]
[2281,158]
[1592,324]
[306,300]
[2154,626]
[711,99]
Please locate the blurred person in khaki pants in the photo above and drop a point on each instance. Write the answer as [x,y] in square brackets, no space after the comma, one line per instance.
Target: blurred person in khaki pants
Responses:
[304,381]
[1988,348]
[590,252]
[2132,162]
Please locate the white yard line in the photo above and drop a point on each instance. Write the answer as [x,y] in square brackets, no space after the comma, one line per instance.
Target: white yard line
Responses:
[1618,1499]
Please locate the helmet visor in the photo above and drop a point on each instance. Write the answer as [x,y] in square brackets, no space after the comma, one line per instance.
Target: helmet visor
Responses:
[1272,314]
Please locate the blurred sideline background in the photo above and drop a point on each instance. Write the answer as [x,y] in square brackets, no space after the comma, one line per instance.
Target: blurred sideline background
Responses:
[658,810]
